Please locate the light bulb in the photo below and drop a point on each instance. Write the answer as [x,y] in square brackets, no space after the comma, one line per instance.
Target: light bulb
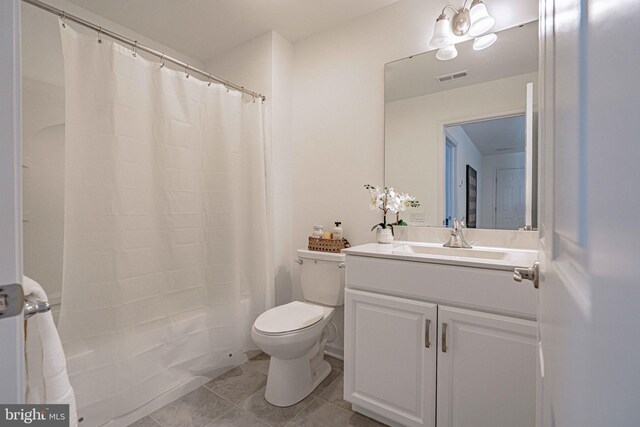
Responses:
[485,41]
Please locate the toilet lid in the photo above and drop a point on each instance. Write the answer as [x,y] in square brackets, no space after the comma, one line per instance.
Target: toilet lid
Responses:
[289,317]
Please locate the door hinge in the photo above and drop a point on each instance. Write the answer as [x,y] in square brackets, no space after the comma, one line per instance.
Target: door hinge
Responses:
[11,300]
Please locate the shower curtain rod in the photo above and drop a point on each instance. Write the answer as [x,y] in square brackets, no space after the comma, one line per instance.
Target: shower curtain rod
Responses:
[137,46]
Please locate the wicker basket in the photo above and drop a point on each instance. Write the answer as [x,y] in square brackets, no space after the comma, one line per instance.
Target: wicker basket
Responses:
[328,245]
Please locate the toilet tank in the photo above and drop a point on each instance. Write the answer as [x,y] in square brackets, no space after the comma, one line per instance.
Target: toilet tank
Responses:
[322,277]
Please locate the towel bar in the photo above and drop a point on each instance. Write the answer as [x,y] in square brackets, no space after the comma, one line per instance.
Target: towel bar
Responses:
[30,309]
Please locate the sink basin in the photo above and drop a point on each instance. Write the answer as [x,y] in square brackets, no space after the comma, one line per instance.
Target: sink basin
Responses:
[426,250]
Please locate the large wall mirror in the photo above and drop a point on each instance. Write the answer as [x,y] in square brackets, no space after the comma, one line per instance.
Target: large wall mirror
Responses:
[460,135]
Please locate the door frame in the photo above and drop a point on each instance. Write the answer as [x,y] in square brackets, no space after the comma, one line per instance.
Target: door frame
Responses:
[451,145]
[12,372]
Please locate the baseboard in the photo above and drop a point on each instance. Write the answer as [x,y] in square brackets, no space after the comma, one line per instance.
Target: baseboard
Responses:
[252,353]
[336,352]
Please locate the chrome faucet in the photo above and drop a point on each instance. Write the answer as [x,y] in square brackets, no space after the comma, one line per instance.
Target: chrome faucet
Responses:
[456,240]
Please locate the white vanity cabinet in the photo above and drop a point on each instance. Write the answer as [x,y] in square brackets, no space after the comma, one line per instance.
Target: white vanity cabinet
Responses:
[423,339]
[390,356]
[486,369]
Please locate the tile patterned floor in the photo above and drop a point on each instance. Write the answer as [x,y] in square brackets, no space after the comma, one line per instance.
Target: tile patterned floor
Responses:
[236,399]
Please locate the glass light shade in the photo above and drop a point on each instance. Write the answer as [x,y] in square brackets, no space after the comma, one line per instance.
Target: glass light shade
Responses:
[485,41]
[441,34]
[481,22]
[447,53]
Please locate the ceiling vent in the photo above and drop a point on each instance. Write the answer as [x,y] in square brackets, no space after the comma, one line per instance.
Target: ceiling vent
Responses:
[505,148]
[453,76]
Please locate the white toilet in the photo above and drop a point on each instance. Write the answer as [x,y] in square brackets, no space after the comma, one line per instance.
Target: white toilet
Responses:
[294,334]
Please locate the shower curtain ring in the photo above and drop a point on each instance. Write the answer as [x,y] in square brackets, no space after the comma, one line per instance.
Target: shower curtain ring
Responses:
[186,71]
[209,79]
[100,35]
[64,19]
[162,61]
[135,49]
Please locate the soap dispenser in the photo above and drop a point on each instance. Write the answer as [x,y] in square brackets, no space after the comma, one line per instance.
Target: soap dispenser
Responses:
[337,231]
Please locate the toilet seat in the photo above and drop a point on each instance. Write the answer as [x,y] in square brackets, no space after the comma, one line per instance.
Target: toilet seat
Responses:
[289,318]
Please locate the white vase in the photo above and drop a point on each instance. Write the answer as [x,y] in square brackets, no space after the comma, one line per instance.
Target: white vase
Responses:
[384,235]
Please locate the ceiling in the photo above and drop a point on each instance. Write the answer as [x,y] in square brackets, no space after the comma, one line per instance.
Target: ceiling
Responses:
[515,52]
[204,28]
[498,136]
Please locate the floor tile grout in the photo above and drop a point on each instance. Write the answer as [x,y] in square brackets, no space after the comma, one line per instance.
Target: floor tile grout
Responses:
[220,416]
[154,420]
[300,411]
[222,397]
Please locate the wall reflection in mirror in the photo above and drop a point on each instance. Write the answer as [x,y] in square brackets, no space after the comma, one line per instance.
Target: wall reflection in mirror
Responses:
[460,135]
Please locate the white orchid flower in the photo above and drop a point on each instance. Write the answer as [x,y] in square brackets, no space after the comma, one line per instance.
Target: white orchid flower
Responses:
[374,202]
[407,200]
[401,202]
[393,204]
[389,201]
[374,191]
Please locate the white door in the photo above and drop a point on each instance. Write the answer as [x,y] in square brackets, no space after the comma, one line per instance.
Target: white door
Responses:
[589,296]
[11,328]
[390,357]
[510,199]
[486,369]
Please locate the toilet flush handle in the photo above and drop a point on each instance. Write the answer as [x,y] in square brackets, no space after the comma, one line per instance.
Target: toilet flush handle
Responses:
[299,261]
[342,265]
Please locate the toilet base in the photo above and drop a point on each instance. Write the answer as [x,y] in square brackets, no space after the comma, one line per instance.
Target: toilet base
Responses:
[291,380]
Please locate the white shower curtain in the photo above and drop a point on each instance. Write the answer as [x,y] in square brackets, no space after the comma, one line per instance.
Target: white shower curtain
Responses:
[166,243]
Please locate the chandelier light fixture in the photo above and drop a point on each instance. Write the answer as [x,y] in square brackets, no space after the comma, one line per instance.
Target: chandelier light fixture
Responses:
[474,22]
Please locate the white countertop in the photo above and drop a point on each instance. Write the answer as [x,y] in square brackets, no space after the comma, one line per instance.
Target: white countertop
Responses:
[399,250]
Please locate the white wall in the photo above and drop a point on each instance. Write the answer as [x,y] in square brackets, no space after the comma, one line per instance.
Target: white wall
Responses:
[414,143]
[466,154]
[265,65]
[43,185]
[489,166]
[338,112]
[282,166]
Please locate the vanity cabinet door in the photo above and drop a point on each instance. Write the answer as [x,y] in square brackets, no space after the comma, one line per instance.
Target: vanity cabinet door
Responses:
[390,357]
[486,369]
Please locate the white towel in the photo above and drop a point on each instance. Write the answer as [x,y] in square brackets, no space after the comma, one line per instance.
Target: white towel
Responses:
[47,379]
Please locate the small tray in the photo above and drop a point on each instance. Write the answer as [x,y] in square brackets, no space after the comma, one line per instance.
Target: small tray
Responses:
[328,245]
